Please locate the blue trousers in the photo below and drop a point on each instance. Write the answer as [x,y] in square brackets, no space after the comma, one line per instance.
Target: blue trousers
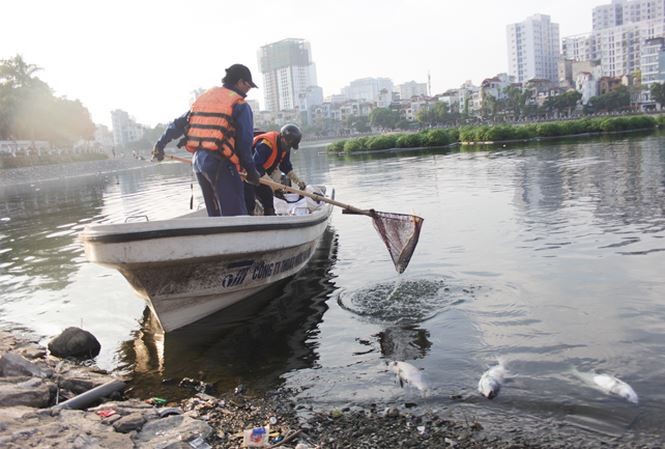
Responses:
[220,183]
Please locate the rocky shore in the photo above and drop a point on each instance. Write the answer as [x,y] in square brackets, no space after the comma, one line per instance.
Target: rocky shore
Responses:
[35,387]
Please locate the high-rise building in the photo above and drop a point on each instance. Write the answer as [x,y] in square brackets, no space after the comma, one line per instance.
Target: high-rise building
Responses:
[412,89]
[621,12]
[372,90]
[619,35]
[289,75]
[125,128]
[577,48]
[533,49]
[652,61]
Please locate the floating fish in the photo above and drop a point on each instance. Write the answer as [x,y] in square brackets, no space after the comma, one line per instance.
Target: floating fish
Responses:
[611,385]
[490,382]
[409,374]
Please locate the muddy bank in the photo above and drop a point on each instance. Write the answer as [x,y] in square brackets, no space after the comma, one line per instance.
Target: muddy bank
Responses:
[33,387]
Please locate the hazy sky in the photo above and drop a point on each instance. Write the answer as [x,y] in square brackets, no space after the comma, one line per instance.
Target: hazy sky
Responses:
[146,57]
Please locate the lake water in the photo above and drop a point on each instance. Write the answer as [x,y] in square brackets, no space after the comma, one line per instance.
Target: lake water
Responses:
[548,256]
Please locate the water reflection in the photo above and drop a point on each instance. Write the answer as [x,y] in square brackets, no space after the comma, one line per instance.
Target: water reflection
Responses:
[253,342]
[38,241]
[407,342]
[618,184]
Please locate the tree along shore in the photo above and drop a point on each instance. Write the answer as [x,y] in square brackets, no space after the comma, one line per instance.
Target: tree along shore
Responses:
[440,137]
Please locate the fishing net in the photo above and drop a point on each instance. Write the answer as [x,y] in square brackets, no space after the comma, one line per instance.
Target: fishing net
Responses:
[400,233]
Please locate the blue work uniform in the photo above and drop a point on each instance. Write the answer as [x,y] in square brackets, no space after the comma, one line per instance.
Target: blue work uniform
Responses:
[261,154]
[219,179]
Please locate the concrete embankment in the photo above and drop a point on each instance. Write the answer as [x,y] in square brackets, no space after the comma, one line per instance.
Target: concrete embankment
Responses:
[38,173]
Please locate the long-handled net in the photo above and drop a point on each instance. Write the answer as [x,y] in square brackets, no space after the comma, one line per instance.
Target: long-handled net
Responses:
[400,233]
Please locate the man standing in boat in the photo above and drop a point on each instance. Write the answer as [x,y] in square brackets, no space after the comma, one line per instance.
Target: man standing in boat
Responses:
[219,129]
[272,157]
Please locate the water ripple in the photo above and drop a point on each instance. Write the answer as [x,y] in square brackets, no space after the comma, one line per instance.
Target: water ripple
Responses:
[409,301]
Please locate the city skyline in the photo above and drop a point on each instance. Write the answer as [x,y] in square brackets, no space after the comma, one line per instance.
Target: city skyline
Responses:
[138,57]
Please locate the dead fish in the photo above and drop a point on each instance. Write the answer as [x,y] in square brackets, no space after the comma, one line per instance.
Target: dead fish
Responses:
[608,384]
[490,382]
[409,374]
[611,385]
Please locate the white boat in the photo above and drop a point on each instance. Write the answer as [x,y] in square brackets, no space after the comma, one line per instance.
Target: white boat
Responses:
[189,267]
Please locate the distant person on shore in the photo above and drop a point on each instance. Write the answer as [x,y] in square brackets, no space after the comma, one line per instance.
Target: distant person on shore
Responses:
[219,129]
[272,157]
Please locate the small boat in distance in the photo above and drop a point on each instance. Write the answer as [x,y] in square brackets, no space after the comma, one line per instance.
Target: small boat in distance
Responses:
[189,267]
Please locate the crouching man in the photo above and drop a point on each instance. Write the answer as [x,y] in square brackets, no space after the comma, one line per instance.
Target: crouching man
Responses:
[271,153]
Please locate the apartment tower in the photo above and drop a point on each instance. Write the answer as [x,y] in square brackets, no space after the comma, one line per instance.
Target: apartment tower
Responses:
[624,38]
[533,49]
[289,75]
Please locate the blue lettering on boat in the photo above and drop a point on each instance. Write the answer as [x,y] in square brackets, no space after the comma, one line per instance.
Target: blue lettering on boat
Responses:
[235,279]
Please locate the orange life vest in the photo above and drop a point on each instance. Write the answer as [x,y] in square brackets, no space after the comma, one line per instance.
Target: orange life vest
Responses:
[271,139]
[211,126]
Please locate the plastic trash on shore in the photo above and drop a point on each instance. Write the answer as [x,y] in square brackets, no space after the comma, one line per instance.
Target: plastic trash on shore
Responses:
[106,413]
[199,443]
[256,437]
[156,401]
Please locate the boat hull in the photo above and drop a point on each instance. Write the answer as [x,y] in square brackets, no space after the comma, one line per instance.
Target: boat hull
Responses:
[190,267]
[184,293]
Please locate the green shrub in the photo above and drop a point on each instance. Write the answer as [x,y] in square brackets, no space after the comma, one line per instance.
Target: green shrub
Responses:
[411,140]
[610,124]
[481,133]
[336,147]
[467,134]
[549,130]
[525,132]
[436,138]
[382,142]
[453,135]
[660,121]
[353,145]
[499,133]
[641,122]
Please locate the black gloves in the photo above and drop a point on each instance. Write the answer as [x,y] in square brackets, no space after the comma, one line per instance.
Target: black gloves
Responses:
[157,153]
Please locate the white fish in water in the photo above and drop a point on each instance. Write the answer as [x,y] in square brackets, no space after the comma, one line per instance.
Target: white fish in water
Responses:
[611,385]
[608,384]
[490,382]
[409,374]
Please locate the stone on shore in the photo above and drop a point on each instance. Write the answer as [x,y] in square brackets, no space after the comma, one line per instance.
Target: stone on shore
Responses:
[13,364]
[27,391]
[65,429]
[128,423]
[160,432]
[75,342]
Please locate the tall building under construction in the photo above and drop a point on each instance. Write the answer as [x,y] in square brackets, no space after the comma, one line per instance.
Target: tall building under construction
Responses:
[289,76]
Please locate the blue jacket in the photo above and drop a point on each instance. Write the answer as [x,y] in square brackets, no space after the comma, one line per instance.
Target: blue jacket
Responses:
[262,153]
[244,120]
